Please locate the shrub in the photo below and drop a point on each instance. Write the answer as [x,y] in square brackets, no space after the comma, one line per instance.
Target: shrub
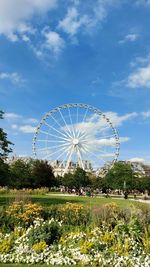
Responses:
[5,246]
[23,214]
[71,214]
[48,232]
[39,247]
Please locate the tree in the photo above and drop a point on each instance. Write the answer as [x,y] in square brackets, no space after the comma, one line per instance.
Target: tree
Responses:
[4,173]
[76,180]
[81,178]
[119,175]
[20,173]
[68,180]
[42,174]
[144,184]
[4,143]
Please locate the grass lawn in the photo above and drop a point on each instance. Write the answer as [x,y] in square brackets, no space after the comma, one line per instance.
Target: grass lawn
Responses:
[48,200]
[36,265]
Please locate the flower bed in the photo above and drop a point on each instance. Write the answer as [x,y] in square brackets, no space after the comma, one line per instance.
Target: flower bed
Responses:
[123,244]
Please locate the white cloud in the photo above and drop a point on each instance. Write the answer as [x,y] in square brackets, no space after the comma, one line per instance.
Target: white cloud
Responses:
[146,114]
[78,17]
[30,120]
[53,42]
[13,77]
[139,78]
[95,123]
[132,37]
[143,2]
[19,121]
[15,15]
[142,61]
[73,21]
[141,160]
[12,116]
[118,120]
[14,126]
[27,129]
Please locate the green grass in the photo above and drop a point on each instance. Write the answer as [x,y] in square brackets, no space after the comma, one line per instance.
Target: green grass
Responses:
[34,265]
[47,200]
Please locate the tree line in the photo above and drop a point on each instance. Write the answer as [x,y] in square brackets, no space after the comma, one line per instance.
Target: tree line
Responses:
[37,173]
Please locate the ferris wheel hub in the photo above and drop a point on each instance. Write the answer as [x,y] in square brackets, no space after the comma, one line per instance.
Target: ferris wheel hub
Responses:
[75,141]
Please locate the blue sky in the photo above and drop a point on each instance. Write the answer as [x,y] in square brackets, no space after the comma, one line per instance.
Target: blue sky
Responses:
[95,52]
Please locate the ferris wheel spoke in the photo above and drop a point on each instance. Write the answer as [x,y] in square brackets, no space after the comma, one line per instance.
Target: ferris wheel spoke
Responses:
[77,115]
[56,136]
[100,150]
[65,151]
[51,147]
[53,128]
[105,154]
[80,159]
[73,131]
[85,115]
[69,158]
[53,153]
[65,123]
[50,141]
[61,126]
[83,134]
[95,155]
[68,151]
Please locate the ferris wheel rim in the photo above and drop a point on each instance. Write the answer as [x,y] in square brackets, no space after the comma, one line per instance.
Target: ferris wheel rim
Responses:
[85,106]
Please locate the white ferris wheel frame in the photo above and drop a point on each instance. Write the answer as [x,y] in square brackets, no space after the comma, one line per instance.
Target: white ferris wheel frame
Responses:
[67,136]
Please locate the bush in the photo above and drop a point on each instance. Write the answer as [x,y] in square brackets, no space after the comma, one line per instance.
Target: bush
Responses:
[23,214]
[71,214]
[48,232]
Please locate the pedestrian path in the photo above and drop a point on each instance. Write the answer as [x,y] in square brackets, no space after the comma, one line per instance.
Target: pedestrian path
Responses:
[98,196]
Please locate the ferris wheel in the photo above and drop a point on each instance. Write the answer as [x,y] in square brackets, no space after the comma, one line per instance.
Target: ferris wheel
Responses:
[77,135]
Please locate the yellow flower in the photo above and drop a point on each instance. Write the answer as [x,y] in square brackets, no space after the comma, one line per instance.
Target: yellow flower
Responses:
[39,247]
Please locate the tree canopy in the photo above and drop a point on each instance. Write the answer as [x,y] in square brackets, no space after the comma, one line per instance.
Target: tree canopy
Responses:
[5,145]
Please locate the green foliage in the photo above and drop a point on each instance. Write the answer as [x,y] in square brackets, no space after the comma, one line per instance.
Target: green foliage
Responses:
[30,174]
[120,173]
[4,173]
[42,174]
[39,247]
[5,246]
[48,232]
[71,214]
[20,174]
[4,143]
[76,180]
[20,214]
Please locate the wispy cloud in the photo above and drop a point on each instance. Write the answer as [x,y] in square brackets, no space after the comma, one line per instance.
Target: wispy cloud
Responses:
[15,22]
[143,2]
[146,114]
[140,160]
[12,116]
[80,18]
[13,77]
[53,42]
[27,129]
[73,21]
[132,37]
[139,78]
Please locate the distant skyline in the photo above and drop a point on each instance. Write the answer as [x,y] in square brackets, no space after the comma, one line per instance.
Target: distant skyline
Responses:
[71,51]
